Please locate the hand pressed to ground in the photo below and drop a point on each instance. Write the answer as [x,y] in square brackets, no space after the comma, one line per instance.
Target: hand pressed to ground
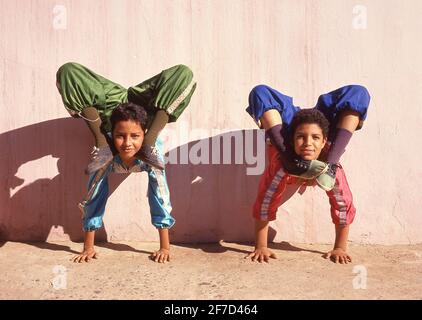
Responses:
[161,256]
[261,254]
[338,255]
[85,255]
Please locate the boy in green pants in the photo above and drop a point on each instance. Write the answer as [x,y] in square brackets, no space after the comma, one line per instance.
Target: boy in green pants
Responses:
[92,97]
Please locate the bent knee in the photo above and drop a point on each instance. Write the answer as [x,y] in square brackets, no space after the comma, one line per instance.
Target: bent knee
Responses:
[359,89]
[184,70]
[67,68]
[259,89]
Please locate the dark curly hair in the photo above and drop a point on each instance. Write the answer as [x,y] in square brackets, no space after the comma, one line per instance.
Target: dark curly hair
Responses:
[309,116]
[129,111]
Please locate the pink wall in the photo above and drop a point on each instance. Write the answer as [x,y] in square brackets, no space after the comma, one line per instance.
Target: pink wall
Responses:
[302,48]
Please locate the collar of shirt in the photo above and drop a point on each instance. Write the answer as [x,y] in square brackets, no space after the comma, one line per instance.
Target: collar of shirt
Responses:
[119,167]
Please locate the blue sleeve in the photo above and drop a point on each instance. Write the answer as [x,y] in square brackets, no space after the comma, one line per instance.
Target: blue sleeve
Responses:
[93,206]
[159,196]
[159,199]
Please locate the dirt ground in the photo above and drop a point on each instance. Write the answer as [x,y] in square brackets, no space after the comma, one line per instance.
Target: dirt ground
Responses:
[208,271]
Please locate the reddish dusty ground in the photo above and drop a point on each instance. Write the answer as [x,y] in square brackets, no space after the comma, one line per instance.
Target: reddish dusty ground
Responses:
[215,271]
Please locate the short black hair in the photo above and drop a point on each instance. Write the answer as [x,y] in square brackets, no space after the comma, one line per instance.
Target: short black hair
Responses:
[309,116]
[129,111]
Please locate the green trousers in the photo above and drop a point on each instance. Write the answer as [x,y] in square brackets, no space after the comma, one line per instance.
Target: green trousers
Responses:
[170,90]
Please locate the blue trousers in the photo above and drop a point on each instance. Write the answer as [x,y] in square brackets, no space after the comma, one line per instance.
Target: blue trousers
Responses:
[93,206]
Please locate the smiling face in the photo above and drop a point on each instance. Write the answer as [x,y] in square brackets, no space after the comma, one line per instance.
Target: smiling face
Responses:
[128,137]
[308,141]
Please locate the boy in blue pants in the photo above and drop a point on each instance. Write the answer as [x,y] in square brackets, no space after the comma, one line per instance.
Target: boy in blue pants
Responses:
[128,123]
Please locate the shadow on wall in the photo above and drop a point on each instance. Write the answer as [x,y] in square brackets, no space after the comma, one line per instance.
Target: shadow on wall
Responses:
[211,202]
[31,210]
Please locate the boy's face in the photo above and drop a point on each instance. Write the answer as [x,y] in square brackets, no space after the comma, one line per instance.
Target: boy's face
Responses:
[308,141]
[128,137]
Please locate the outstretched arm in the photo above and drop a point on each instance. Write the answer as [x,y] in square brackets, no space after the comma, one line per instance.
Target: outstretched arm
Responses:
[163,255]
[339,254]
[160,209]
[261,252]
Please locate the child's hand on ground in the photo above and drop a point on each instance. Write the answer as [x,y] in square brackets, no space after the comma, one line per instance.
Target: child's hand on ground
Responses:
[261,254]
[338,255]
[85,255]
[161,256]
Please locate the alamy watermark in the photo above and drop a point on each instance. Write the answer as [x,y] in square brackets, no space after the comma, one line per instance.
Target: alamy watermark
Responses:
[60,280]
[215,146]
[59,17]
[360,17]
[361,278]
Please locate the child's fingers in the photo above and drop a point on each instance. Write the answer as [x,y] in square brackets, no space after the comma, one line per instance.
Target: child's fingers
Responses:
[273,255]
[75,258]
[250,255]
[91,256]
[163,258]
[326,255]
[159,257]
